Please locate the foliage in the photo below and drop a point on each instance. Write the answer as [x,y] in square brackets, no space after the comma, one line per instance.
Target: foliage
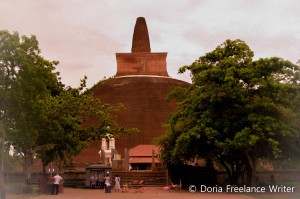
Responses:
[235,111]
[27,80]
[65,132]
[11,162]
[40,116]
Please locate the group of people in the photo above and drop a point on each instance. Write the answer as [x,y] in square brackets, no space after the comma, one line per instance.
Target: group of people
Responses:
[108,185]
[57,178]
[96,178]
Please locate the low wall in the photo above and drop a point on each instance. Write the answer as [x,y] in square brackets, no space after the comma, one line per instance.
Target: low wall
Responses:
[77,178]
[281,176]
[149,178]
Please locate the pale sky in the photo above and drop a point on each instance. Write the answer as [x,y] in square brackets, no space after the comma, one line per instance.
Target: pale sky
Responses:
[84,35]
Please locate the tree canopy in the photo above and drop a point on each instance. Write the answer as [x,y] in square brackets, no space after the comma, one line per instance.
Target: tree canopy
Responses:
[63,133]
[40,116]
[236,111]
[27,80]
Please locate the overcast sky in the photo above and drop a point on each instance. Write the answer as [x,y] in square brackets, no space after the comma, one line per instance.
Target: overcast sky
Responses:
[84,35]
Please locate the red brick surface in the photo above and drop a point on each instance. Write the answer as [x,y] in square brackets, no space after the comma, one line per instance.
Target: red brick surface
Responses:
[142,64]
[146,108]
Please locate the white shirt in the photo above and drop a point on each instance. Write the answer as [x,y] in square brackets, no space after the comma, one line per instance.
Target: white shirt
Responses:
[57,178]
[117,179]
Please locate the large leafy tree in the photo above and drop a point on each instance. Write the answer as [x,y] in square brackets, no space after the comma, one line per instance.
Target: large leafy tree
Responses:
[27,80]
[41,117]
[236,111]
[73,118]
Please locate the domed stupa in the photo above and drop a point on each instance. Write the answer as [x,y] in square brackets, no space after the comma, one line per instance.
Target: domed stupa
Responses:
[141,85]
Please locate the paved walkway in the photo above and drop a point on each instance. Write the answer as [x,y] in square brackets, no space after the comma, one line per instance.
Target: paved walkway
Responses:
[148,193]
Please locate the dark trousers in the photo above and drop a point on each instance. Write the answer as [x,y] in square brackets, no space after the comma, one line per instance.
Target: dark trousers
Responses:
[107,189]
[55,189]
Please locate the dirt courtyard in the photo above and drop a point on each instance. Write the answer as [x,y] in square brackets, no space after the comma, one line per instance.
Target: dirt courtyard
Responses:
[146,193]
[151,193]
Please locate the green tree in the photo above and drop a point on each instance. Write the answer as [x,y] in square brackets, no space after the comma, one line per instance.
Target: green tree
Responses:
[40,116]
[27,80]
[72,119]
[236,111]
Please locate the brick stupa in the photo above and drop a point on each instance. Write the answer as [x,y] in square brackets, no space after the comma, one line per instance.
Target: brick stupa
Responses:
[141,85]
[141,61]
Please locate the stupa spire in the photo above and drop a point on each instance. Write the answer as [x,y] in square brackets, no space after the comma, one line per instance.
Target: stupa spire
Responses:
[141,61]
[140,40]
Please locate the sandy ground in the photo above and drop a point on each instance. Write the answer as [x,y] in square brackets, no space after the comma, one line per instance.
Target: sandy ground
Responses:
[151,193]
[147,193]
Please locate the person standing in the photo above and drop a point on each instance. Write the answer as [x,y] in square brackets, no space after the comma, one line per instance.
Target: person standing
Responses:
[117,183]
[107,184]
[57,178]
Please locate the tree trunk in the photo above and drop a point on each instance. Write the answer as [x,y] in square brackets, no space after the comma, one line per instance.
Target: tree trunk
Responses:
[251,170]
[254,179]
[249,174]
[2,187]
[44,167]
[27,165]
[234,179]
